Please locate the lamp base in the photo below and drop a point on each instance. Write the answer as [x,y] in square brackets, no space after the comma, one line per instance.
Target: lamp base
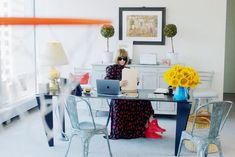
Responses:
[54,85]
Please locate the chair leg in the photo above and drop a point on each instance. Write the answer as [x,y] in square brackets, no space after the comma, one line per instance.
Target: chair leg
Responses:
[86,143]
[206,150]
[67,151]
[195,105]
[218,144]
[200,151]
[180,146]
[107,138]
[85,149]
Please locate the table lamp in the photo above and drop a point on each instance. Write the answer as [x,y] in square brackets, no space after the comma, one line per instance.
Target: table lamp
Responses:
[54,56]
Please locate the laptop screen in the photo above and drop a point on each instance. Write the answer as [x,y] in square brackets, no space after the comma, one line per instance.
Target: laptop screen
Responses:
[110,87]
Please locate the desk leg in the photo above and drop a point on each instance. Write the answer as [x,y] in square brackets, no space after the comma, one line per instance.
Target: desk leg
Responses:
[45,107]
[107,123]
[183,111]
[62,121]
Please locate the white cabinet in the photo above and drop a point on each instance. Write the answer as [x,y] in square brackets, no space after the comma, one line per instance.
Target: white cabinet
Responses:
[164,107]
[147,77]
[150,77]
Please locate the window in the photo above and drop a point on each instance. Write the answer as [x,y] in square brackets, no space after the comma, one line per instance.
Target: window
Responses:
[17,78]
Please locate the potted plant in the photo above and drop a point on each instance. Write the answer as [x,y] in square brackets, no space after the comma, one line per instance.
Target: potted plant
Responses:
[170,30]
[107,31]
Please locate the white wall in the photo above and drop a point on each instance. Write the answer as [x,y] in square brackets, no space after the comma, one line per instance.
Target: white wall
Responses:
[229,71]
[200,41]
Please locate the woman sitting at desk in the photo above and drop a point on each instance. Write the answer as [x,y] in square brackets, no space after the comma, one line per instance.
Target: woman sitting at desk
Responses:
[130,118]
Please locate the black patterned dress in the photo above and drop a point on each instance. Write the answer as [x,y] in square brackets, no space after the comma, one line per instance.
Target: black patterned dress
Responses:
[128,117]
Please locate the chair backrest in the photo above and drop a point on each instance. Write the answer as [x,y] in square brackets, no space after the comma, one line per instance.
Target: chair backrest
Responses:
[219,113]
[82,75]
[206,78]
[71,108]
[71,105]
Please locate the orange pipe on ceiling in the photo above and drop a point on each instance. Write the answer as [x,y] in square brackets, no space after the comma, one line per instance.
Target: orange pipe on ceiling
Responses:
[50,21]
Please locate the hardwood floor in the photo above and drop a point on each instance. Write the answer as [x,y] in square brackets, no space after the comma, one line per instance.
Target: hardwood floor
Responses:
[230,97]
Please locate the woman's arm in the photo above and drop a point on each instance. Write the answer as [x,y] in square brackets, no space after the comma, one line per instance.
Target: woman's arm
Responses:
[110,74]
[123,83]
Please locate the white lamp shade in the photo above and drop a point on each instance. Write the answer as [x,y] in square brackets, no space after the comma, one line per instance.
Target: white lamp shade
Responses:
[54,54]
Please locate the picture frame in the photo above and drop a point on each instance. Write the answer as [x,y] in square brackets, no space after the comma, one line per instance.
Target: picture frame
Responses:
[142,25]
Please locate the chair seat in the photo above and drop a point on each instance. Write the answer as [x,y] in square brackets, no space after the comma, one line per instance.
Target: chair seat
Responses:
[204,93]
[199,133]
[199,136]
[89,126]
[87,129]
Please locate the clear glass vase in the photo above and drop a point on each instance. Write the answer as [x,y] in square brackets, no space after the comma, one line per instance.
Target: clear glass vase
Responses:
[172,58]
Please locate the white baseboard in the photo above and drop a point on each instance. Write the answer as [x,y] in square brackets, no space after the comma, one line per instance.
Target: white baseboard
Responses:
[17,108]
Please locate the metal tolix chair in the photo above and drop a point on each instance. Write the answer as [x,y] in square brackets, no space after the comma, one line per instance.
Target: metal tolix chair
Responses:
[201,138]
[85,129]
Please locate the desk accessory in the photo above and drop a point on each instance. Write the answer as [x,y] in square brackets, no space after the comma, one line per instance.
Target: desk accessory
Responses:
[161,91]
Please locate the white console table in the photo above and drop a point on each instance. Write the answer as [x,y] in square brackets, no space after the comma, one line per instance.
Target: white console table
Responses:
[151,77]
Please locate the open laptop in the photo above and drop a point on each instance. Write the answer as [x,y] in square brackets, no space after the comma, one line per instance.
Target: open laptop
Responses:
[108,87]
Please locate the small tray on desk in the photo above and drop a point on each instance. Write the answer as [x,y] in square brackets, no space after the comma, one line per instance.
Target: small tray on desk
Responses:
[161,91]
[160,96]
[132,95]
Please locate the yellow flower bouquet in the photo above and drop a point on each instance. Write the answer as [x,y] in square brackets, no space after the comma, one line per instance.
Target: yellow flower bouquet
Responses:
[183,76]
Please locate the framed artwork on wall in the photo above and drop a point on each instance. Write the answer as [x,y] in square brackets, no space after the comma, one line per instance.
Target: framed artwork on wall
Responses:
[142,25]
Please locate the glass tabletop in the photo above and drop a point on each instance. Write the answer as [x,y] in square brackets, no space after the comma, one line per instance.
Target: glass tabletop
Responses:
[142,94]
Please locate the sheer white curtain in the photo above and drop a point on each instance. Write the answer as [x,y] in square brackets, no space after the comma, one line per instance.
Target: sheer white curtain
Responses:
[17,63]
[5,51]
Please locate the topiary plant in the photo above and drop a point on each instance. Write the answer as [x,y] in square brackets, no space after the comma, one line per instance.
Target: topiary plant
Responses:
[170,30]
[107,31]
